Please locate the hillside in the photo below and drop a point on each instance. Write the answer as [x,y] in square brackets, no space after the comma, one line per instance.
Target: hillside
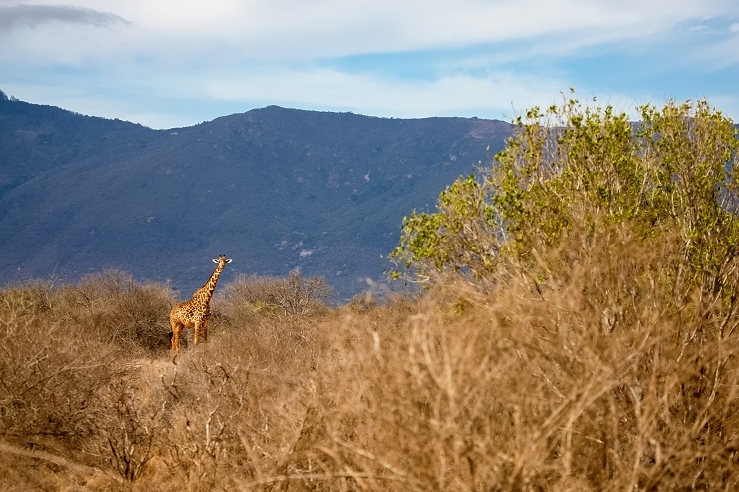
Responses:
[273,188]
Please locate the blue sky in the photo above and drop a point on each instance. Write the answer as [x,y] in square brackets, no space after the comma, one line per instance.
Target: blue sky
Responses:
[177,63]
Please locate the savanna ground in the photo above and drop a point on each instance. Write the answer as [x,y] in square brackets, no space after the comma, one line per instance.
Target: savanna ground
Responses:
[591,345]
[590,384]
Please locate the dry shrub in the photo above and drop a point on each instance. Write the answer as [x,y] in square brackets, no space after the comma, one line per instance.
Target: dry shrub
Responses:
[233,414]
[249,314]
[269,341]
[113,307]
[598,380]
[202,440]
[294,295]
[128,425]
[362,303]
[249,297]
[49,371]
[64,355]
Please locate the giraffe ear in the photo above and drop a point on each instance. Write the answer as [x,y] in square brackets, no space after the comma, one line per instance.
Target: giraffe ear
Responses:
[215,261]
[229,260]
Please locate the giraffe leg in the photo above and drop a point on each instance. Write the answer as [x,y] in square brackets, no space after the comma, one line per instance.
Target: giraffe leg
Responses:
[176,330]
[197,334]
[204,331]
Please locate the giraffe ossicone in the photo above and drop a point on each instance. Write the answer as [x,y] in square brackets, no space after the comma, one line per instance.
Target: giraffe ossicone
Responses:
[195,313]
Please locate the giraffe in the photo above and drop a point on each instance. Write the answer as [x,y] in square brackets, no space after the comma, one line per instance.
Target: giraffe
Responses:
[195,312]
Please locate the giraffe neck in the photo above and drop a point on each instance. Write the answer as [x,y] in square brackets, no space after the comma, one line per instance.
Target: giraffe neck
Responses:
[210,286]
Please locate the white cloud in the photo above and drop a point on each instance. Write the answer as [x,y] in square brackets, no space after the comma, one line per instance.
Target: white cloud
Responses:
[338,27]
[329,28]
[19,16]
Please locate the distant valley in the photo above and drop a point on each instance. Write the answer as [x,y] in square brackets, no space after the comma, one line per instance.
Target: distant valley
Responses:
[273,188]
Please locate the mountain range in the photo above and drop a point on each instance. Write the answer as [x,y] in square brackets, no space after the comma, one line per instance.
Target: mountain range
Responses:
[273,188]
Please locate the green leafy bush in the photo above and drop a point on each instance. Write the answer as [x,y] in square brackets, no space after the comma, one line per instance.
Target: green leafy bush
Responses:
[576,169]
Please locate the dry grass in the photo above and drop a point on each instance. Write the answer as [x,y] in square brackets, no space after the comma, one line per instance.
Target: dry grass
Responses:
[600,379]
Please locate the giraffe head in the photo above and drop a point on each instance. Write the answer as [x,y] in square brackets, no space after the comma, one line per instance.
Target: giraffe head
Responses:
[222,260]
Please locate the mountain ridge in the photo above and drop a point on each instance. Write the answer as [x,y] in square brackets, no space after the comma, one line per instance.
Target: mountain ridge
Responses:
[274,188]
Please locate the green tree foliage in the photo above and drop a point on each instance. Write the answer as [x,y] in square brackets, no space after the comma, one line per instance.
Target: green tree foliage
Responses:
[589,169]
[460,237]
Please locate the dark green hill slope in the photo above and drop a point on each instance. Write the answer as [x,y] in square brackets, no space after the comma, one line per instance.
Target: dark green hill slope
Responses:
[273,188]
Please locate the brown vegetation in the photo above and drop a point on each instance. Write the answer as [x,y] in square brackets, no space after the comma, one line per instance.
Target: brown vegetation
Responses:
[594,380]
